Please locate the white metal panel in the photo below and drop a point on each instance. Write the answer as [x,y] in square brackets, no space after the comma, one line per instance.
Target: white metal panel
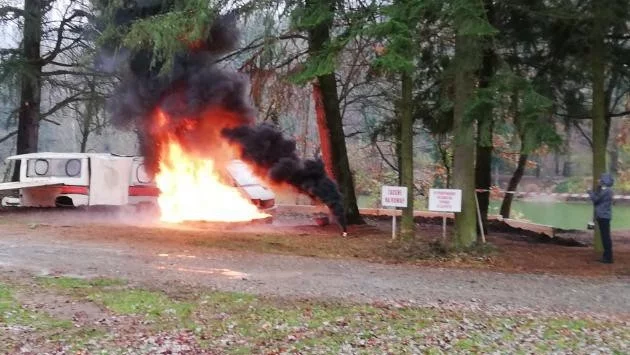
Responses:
[241,173]
[14,185]
[109,180]
[257,192]
[80,180]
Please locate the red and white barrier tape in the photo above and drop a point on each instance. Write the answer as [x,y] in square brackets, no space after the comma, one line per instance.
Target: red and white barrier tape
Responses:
[552,194]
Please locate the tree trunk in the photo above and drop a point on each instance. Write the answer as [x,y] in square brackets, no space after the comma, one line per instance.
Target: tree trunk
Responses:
[483,175]
[324,133]
[506,205]
[398,148]
[30,90]
[567,169]
[464,142]
[84,140]
[598,67]
[407,227]
[485,128]
[614,158]
[90,118]
[319,36]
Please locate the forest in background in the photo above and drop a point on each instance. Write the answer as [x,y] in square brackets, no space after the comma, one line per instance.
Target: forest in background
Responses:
[421,93]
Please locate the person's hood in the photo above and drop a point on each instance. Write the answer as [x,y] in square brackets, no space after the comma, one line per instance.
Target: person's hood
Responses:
[606,180]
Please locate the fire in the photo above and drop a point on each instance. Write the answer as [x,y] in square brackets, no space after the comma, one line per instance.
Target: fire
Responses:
[191,190]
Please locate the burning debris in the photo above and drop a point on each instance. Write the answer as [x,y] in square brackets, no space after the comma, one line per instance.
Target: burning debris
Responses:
[200,114]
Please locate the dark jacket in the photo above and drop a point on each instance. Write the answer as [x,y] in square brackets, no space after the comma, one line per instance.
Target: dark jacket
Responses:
[602,197]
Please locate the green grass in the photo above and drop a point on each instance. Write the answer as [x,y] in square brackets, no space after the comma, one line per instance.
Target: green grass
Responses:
[12,313]
[240,323]
[78,283]
[154,305]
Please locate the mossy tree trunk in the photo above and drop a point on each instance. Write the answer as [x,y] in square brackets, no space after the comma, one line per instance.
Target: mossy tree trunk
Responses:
[407,227]
[30,80]
[485,128]
[598,68]
[506,205]
[464,141]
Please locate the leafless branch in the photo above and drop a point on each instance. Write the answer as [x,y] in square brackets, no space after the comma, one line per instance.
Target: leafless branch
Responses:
[259,42]
[584,135]
[60,37]
[380,152]
[61,104]
[8,136]
[356,133]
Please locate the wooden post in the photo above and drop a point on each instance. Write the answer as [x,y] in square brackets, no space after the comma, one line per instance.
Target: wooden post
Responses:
[483,236]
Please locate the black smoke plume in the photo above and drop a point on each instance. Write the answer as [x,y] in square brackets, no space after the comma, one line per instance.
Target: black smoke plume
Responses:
[208,107]
[266,149]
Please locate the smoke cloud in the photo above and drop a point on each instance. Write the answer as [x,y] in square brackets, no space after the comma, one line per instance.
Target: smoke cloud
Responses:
[208,109]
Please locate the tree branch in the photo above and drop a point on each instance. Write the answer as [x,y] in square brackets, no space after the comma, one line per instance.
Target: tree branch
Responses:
[8,136]
[380,152]
[57,49]
[356,133]
[6,10]
[61,104]
[259,42]
[587,117]
[70,72]
[584,135]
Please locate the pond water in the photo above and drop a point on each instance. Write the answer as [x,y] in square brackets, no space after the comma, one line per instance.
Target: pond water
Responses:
[567,215]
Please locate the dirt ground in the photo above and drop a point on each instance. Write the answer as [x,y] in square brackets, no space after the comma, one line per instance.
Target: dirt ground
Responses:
[299,235]
[294,257]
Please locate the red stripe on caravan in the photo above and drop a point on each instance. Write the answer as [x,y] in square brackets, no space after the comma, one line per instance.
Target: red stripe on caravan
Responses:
[144,191]
[75,190]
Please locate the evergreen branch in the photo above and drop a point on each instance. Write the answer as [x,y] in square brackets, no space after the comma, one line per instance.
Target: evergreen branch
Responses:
[589,117]
[6,10]
[9,51]
[70,72]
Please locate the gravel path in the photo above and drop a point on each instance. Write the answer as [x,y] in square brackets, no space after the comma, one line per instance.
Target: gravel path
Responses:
[308,277]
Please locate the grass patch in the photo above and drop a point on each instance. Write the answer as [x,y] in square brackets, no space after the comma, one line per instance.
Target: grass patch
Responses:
[240,323]
[154,305]
[306,326]
[12,313]
[78,283]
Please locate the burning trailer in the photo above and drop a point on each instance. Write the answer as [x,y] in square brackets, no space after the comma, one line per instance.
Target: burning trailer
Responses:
[193,116]
[101,179]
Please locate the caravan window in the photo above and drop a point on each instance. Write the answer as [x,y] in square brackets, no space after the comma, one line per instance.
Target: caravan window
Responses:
[142,175]
[53,168]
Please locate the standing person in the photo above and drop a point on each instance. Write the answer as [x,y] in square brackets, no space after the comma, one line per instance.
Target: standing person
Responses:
[602,199]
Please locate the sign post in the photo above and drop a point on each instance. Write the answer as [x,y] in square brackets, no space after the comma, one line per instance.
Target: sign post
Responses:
[394,196]
[445,200]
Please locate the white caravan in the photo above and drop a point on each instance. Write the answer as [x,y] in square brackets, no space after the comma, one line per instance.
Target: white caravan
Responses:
[92,179]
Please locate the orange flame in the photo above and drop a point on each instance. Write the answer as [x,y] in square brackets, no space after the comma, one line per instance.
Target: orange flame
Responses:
[191,188]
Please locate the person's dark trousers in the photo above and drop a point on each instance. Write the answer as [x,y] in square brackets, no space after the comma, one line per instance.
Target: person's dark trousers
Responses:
[604,229]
